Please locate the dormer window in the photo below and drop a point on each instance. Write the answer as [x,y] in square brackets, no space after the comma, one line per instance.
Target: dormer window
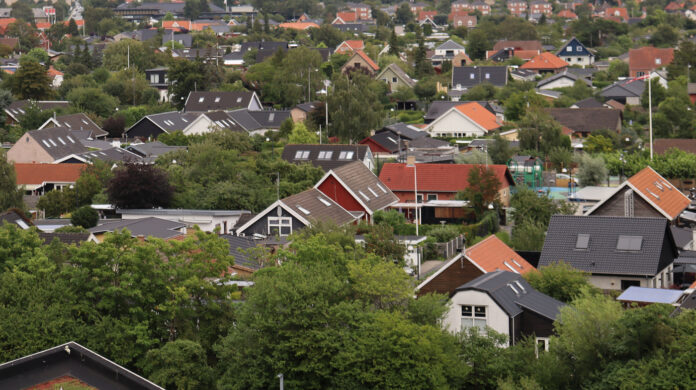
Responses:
[578,48]
[658,61]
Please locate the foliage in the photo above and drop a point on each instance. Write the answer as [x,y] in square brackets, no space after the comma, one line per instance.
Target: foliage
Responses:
[528,236]
[139,186]
[489,224]
[300,135]
[560,158]
[591,170]
[482,189]
[93,100]
[380,240]
[31,81]
[517,105]
[395,219]
[539,132]
[530,207]
[357,108]
[10,195]
[597,144]
[114,125]
[85,217]
[500,150]
[186,76]
[180,364]
[560,280]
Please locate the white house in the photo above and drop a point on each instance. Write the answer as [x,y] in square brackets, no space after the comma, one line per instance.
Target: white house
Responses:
[206,220]
[464,120]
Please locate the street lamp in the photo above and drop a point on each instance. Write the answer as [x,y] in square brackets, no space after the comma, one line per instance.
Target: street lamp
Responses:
[411,163]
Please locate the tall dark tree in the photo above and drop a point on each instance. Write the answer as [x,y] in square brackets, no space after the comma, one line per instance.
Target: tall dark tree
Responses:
[394,47]
[72,28]
[10,196]
[423,67]
[140,186]
[482,190]
[22,10]
[31,81]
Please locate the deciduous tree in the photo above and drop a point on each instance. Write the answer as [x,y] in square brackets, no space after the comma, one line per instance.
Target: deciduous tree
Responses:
[140,186]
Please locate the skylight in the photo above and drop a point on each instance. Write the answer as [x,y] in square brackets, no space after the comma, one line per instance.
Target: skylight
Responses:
[372,192]
[517,282]
[513,289]
[217,99]
[363,195]
[516,263]
[304,210]
[85,122]
[510,267]
[239,100]
[61,141]
[70,139]
[52,142]
[184,119]
[629,243]
[346,155]
[302,155]
[583,241]
[67,124]
[652,193]
[325,155]
[659,186]
[200,99]
[324,201]
[271,116]
[381,188]
[46,143]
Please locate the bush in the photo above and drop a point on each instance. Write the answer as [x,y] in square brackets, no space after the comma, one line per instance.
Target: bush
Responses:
[488,224]
[85,217]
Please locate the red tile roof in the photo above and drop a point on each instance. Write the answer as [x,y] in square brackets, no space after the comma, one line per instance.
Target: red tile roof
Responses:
[659,192]
[367,59]
[480,115]
[4,22]
[350,45]
[645,58]
[618,12]
[436,177]
[545,61]
[492,254]
[28,174]
[674,6]
[298,25]
[567,14]
[174,24]
[422,15]
[347,16]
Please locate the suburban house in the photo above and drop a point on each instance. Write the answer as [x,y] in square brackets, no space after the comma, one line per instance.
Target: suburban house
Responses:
[356,189]
[37,179]
[663,145]
[489,255]
[206,220]
[15,217]
[295,212]
[140,228]
[460,19]
[70,365]
[588,103]
[563,79]
[567,14]
[328,156]
[508,304]
[204,101]
[212,121]
[151,126]
[540,7]
[647,59]
[45,146]
[545,63]
[625,91]
[150,151]
[645,194]
[111,155]
[575,53]
[466,77]
[183,39]
[359,61]
[158,79]
[395,77]
[446,52]
[464,120]
[581,122]
[259,122]
[246,260]
[617,252]
[349,46]
[438,181]
[16,109]
[507,53]
[517,7]
[393,138]
[439,107]
[617,14]
[76,122]
[300,112]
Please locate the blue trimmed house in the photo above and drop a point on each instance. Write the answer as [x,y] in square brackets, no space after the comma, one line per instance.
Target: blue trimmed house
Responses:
[575,53]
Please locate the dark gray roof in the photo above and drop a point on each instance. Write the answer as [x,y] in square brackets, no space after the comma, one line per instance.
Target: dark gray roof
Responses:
[16,109]
[513,294]
[224,120]
[264,45]
[427,143]
[588,103]
[587,120]
[293,153]
[152,149]
[582,72]
[624,88]
[238,246]
[58,142]
[203,101]
[14,217]
[78,121]
[602,255]
[244,119]
[404,130]
[450,45]
[307,107]
[462,76]
[270,119]
[204,53]
[184,39]
[682,237]
[561,75]
[65,238]
[114,154]
[171,121]
[147,227]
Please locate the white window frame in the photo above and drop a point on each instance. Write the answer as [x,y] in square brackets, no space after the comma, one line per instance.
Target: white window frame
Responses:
[279,223]
[471,321]
[431,197]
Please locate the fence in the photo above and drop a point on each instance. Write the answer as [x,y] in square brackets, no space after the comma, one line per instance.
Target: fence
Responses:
[450,248]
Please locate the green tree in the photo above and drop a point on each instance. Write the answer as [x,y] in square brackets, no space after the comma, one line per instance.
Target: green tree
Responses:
[482,189]
[478,44]
[85,216]
[665,36]
[139,186]
[10,195]
[560,280]
[591,170]
[425,89]
[187,76]
[598,144]
[658,92]
[180,364]
[500,150]
[560,158]
[31,81]
[530,207]
[22,11]
[93,100]
[381,241]
[518,104]
[26,33]
[300,135]
[540,132]
[37,54]
[403,14]
[423,66]
[357,107]
[394,47]
[528,236]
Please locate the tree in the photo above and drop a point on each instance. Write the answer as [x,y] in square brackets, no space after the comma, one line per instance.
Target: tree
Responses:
[37,54]
[187,76]
[381,241]
[403,14]
[500,150]
[482,189]
[180,364]
[560,280]
[85,216]
[425,89]
[140,186]
[598,144]
[517,105]
[423,66]
[658,92]
[93,100]
[357,108]
[26,33]
[300,135]
[31,81]
[665,36]
[114,125]
[478,44]
[72,28]
[540,132]
[591,170]
[10,195]
[34,116]
[22,10]
[394,47]
[560,158]
[528,236]
[530,207]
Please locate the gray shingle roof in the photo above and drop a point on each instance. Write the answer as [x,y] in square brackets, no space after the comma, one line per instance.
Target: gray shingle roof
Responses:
[78,121]
[224,120]
[561,75]
[238,246]
[601,256]
[504,288]
[203,101]
[244,119]
[366,187]
[587,120]
[313,205]
[327,162]
[405,130]
[470,76]
[172,121]
[185,39]
[624,88]
[588,103]
[151,226]
[113,154]
[58,142]
[152,149]
[16,109]
[270,119]
[450,45]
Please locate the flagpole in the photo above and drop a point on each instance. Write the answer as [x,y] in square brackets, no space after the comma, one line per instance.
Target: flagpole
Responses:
[650,116]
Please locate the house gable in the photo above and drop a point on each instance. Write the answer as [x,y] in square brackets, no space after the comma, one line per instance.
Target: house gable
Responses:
[259,224]
[144,128]
[615,206]
[28,150]
[453,274]
[454,122]
[333,188]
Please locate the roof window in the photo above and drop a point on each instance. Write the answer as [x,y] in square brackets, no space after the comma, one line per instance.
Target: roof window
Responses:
[217,99]
[61,141]
[652,193]
[382,188]
[67,124]
[324,201]
[239,99]
[302,155]
[659,186]
[510,267]
[271,116]
[200,99]
[372,192]
[583,241]
[363,195]
[629,243]
[46,143]
[70,139]
[325,155]
[304,210]
[346,155]
[52,142]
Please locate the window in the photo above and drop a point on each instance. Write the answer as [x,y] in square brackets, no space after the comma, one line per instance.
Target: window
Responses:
[302,155]
[658,61]
[628,283]
[372,192]
[471,76]
[473,317]
[381,188]
[154,78]
[279,226]
[325,155]
[200,100]
[578,48]
[271,116]
[217,99]
[346,155]
[304,210]
[394,79]
[578,59]
[419,198]
[46,143]
[638,74]
[488,76]
[569,48]
[542,344]
[324,201]
[583,241]
[432,197]
[629,243]
[363,195]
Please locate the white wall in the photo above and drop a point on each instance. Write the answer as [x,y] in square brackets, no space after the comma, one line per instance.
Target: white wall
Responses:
[573,59]
[452,123]
[207,223]
[496,318]
[563,82]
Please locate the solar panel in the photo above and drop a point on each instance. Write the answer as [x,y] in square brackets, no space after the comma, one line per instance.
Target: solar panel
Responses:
[583,241]
[629,243]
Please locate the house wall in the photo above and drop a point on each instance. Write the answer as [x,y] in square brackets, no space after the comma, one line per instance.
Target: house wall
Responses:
[408,196]
[388,76]
[206,223]
[496,318]
[28,150]
[334,190]
[458,273]
[615,207]
[261,226]
[562,82]
[608,282]
[298,115]
[633,100]
[533,324]
[355,62]
[374,146]
[144,129]
[453,124]
[255,104]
